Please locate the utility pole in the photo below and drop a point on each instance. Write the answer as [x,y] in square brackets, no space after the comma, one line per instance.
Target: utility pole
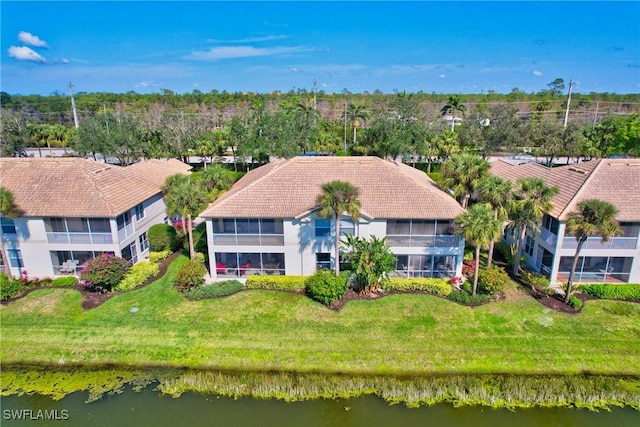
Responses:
[73,107]
[314,95]
[345,127]
[566,113]
[595,116]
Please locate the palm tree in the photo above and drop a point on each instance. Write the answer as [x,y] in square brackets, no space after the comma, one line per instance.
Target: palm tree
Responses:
[8,209]
[358,116]
[172,182]
[594,218]
[461,174]
[497,193]
[338,197]
[451,107]
[216,178]
[531,199]
[479,226]
[187,199]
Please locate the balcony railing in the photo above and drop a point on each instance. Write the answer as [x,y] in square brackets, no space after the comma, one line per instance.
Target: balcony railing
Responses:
[80,238]
[125,232]
[248,239]
[596,243]
[548,236]
[437,241]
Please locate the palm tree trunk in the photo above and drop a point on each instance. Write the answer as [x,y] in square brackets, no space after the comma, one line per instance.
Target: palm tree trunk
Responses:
[476,271]
[5,259]
[516,258]
[184,224]
[574,265]
[337,248]
[192,251]
[492,244]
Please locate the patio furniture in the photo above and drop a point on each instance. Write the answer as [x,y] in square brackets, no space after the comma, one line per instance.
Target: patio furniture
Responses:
[221,268]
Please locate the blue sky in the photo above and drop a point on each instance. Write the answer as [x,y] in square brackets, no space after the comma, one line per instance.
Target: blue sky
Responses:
[442,47]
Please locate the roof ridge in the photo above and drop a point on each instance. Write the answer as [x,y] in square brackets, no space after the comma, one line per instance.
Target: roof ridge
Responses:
[91,175]
[587,180]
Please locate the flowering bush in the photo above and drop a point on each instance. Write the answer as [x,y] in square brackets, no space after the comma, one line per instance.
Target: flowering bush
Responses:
[104,272]
[468,268]
[456,281]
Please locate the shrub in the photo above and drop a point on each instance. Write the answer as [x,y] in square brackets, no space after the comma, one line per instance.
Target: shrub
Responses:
[46,281]
[575,302]
[505,250]
[137,275]
[465,297]
[325,287]
[432,285]
[189,275]
[10,287]
[282,283]
[199,239]
[104,272]
[214,290]
[536,281]
[492,280]
[468,267]
[65,281]
[159,256]
[618,292]
[199,257]
[162,237]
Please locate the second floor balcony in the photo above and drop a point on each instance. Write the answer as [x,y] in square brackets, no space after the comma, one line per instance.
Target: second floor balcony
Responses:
[596,243]
[435,241]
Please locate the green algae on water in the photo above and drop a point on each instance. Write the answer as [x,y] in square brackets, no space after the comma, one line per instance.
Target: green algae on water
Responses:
[592,392]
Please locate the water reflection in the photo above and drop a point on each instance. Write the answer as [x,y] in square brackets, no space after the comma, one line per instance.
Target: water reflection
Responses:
[150,408]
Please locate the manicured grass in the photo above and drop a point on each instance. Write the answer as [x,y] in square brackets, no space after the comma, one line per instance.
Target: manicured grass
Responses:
[271,330]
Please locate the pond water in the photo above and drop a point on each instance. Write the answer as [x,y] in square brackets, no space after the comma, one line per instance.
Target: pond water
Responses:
[151,408]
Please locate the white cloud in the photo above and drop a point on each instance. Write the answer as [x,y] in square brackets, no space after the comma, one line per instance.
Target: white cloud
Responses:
[31,40]
[251,39]
[24,53]
[538,73]
[228,52]
[441,76]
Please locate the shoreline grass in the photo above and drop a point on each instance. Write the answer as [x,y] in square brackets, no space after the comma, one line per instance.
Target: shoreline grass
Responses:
[262,330]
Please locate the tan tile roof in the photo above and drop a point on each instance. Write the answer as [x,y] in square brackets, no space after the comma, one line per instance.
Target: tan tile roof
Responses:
[616,181]
[76,187]
[289,188]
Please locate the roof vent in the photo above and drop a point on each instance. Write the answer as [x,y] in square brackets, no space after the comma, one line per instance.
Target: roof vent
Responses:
[580,171]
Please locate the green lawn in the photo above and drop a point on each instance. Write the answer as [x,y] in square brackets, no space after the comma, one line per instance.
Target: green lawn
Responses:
[270,330]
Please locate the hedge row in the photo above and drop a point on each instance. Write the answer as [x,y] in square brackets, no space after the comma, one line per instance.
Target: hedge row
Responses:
[435,286]
[137,275]
[619,292]
[283,283]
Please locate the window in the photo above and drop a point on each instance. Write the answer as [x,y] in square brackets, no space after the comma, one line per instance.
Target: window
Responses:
[144,242]
[130,253]
[8,226]
[323,260]
[77,225]
[99,225]
[347,227]
[528,246]
[550,223]
[15,258]
[323,227]
[123,220]
[55,225]
[139,212]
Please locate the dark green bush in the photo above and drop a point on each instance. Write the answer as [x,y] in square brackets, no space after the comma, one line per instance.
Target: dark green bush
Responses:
[189,275]
[492,280]
[575,302]
[65,281]
[325,287]
[10,287]
[618,292]
[104,272]
[282,283]
[432,285]
[536,281]
[465,297]
[214,290]
[162,237]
